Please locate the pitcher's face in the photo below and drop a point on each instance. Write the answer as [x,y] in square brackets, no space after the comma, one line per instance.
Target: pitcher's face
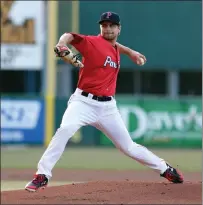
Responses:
[109,31]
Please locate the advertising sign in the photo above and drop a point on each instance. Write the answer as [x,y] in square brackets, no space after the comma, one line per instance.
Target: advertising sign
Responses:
[160,122]
[22,121]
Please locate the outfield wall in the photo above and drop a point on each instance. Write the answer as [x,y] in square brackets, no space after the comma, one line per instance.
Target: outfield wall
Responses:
[153,122]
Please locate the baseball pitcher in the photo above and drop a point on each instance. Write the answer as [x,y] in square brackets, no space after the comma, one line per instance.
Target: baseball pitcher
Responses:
[93,101]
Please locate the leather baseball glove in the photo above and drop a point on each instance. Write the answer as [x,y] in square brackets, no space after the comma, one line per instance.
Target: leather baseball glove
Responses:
[68,56]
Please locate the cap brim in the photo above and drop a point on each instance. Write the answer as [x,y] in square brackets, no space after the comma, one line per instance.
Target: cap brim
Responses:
[109,21]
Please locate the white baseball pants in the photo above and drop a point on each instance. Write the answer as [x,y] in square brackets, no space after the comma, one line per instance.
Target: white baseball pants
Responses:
[104,116]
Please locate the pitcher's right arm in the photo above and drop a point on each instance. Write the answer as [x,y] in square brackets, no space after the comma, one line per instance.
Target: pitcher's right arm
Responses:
[65,39]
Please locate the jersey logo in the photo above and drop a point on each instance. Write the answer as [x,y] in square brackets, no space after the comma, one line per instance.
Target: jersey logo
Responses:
[111,63]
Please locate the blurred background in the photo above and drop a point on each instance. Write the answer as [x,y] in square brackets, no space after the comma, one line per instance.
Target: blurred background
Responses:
[160,102]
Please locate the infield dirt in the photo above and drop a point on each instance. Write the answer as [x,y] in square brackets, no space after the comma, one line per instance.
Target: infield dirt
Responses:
[106,187]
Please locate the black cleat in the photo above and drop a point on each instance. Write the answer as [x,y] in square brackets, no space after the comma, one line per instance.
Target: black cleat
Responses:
[173,175]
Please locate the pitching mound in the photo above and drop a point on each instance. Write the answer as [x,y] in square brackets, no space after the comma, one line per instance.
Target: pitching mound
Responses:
[110,192]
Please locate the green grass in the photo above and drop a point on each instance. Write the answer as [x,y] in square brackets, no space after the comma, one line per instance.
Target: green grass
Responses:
[99,158]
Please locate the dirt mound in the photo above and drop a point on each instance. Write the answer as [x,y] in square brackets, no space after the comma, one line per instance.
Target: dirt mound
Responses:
[110,192]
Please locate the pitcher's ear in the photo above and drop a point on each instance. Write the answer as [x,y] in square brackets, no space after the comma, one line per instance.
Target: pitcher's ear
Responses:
[120,29]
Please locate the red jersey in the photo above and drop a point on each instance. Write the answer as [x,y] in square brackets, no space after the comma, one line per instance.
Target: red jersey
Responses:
[101,63]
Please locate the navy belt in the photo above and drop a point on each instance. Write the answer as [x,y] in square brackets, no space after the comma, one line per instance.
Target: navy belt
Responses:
[98,98]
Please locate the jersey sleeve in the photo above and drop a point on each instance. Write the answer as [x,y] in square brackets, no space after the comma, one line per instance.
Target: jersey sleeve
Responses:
[80,42]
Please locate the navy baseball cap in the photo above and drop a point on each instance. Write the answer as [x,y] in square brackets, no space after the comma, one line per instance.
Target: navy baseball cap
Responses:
[110,16]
